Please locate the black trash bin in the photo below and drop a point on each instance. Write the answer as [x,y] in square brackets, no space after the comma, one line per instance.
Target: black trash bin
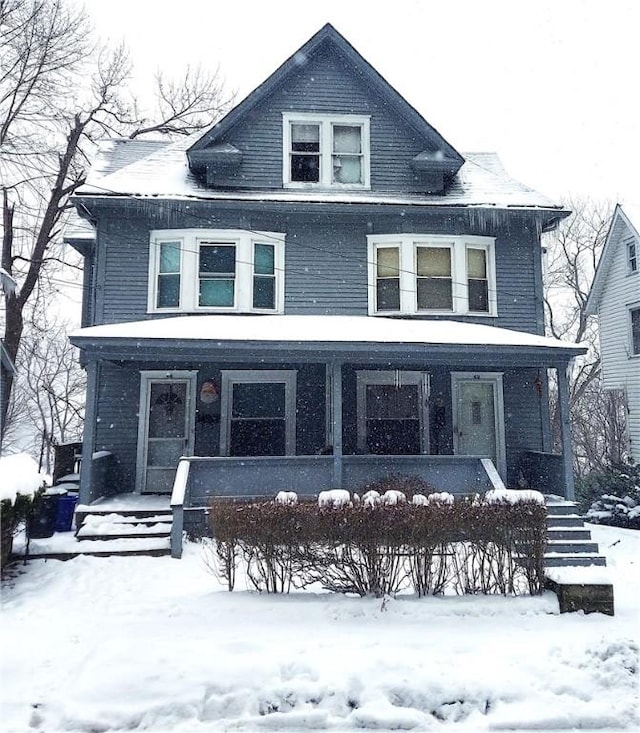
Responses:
[42,521]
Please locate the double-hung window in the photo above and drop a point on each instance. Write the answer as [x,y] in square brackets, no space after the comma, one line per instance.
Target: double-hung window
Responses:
[634,316]
[325,151]
[414,274]
[632,257]
[222,270]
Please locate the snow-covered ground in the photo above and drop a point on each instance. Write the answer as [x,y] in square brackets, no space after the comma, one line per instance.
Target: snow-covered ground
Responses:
[156,644]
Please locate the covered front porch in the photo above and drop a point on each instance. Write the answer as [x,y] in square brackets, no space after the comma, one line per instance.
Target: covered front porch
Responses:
[263,403]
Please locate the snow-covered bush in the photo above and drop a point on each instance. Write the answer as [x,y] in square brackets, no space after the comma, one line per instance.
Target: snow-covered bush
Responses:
[371,498]
[334,499]
[20,482]
[512,496]
[442,497]
[619,503]
[370,549]
[419,500]
[288,498]
[408,485]
[393,497]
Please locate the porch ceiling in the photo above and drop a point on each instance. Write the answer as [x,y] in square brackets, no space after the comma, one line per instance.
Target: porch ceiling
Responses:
[313,337]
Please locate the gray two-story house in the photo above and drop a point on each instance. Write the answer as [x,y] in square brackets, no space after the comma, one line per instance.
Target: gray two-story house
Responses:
[318,291]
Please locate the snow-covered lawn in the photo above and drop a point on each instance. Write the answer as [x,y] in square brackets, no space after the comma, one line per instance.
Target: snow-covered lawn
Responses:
[98,644]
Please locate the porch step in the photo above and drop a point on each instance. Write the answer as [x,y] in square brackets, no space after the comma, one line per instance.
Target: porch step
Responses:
[569,542]
[104,532]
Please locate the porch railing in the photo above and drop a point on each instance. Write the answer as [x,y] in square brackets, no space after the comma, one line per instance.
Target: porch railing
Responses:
[199,479]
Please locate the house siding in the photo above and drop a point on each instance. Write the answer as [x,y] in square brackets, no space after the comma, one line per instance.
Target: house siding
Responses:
[620,369]
[324,85]
[325,256]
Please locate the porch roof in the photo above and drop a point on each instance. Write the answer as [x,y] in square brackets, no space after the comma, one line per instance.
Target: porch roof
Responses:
[330,336]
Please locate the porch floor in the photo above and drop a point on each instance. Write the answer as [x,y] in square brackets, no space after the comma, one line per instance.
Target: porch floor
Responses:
[128,502]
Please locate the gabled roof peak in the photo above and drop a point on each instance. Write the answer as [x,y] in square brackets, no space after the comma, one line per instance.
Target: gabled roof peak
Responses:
[328,35]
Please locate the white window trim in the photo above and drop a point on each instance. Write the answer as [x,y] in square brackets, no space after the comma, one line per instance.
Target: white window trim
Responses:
[326,150]
[190,240]
[229,377]
[407,244]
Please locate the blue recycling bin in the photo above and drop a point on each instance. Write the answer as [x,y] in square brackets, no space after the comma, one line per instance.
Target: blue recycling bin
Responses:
[64,513]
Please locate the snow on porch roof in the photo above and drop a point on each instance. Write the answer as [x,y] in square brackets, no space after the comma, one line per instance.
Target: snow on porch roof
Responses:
[300,329]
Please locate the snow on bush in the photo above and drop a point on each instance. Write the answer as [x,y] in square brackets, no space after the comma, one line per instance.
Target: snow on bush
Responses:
[443,497]
[371,498]
[619,506]
[289,498]
[392,497]
[419,500]
[20,476]
[513,496]
[334,499]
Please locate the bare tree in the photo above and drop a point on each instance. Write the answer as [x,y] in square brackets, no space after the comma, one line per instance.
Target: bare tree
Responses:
[60,92]
[573,252]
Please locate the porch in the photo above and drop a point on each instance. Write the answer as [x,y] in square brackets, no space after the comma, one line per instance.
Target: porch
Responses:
[275,403]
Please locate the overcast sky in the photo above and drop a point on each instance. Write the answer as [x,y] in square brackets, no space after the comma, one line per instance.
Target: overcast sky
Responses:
[550,85]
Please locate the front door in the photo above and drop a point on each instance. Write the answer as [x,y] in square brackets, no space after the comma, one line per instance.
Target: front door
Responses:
[392,412]
[478,416]
[165,429]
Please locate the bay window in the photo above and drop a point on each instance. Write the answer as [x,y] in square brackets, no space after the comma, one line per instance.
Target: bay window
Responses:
[325,151]
[195,270]
[439,274]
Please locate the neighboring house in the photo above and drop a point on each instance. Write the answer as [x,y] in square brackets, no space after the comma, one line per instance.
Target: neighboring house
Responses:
[615,298]
[317,291]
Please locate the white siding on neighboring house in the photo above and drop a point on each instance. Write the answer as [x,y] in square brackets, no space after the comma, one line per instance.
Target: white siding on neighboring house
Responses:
[616,291]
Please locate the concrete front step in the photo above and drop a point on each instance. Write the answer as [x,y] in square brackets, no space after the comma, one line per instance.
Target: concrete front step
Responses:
[565,520]
[568,559]
[559,509]
[568,533]
[572,546]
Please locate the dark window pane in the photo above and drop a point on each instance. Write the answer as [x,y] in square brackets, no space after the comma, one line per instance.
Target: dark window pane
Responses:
[391,402]
[257,438]
[305,168]
[217,292]
[264,292]
[388,294]
[217,259]
[258,399]
[478,296]
[168,291]
[435,294]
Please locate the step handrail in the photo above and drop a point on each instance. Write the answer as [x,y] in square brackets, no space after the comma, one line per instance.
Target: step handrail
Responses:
[178,494]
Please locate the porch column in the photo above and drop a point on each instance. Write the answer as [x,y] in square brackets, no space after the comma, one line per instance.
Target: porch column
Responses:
[565,430]
[86,494]
[336,416]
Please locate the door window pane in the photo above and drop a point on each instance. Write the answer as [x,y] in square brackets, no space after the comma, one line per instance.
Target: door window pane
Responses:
[167,410]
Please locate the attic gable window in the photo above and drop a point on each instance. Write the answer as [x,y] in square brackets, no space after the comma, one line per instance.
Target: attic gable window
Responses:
[235,271]
[416,274]
[325,151]
[632,257]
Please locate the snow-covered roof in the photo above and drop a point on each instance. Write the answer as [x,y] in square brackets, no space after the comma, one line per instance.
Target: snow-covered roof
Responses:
[301,329]
[163,172]
[625,221]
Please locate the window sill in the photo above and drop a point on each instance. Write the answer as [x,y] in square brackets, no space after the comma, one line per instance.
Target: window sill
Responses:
[445,314]
[302,186]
